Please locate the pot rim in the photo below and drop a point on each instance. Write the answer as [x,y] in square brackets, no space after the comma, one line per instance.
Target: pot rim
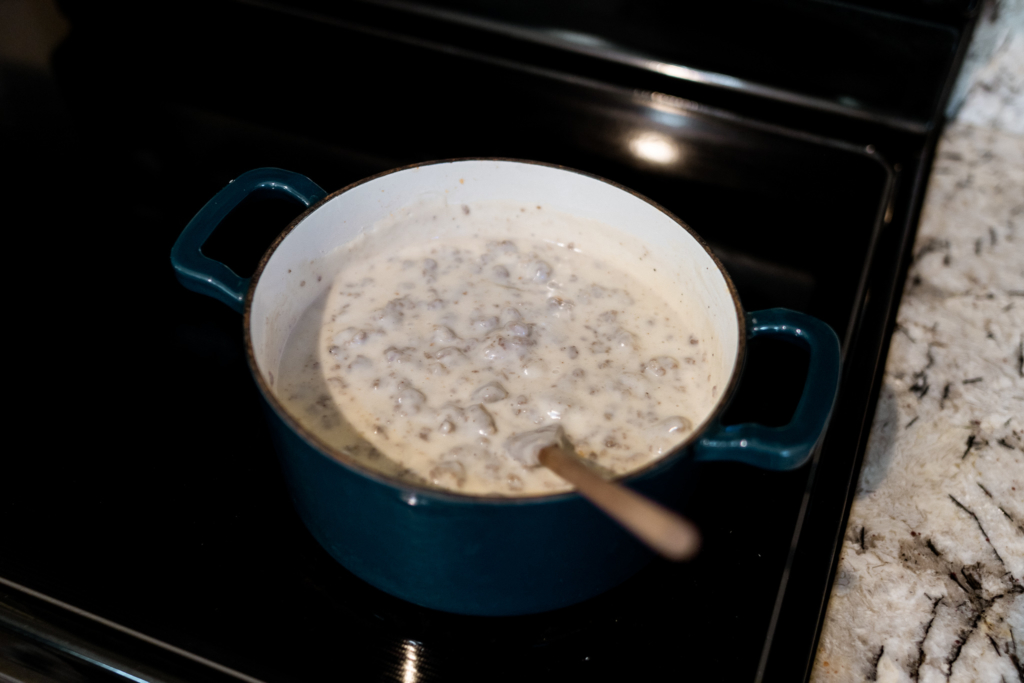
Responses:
[415,491]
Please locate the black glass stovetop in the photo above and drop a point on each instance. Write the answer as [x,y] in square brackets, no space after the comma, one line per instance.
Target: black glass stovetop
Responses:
[145,530]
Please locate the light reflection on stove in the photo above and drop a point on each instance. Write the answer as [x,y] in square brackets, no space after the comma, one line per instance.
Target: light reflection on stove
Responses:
[654,147]
[411,665]
[672,119]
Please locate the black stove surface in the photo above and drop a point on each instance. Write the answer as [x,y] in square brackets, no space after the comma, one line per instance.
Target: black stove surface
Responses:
[145,529]
[823,55]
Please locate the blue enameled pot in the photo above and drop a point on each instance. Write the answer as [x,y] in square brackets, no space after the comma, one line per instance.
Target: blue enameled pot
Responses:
[471,554]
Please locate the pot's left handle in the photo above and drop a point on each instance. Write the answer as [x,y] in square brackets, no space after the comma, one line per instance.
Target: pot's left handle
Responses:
[202,274]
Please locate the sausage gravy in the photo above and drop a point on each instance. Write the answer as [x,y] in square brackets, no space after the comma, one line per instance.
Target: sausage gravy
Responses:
[455,337]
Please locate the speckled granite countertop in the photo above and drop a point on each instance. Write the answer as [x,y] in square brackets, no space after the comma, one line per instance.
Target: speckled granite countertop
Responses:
[931,577]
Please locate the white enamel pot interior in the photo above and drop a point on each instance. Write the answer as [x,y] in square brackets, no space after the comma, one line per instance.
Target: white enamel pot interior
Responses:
[303,262]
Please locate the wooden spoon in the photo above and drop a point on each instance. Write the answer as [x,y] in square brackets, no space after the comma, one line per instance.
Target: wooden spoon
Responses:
[667,533]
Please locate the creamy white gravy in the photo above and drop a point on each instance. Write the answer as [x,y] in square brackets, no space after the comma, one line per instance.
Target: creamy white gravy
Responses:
[456,337]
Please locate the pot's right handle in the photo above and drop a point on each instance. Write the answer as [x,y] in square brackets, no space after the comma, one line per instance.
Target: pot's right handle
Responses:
[788,447]
[202,274]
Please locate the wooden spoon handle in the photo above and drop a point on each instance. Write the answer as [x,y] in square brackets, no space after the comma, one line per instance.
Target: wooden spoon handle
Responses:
[663,530]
